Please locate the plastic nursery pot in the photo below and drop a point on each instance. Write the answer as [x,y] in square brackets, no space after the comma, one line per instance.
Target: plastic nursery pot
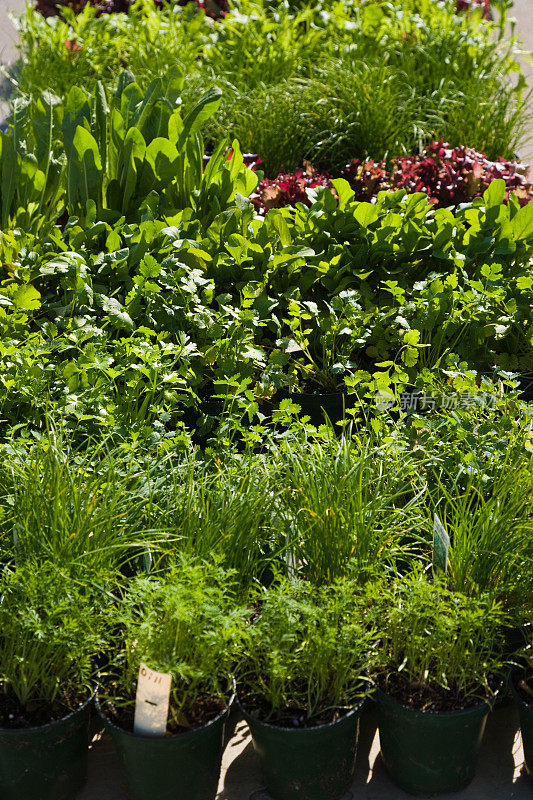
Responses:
[525,711]
[185,766]
[517,636]
[307,763]
[319,407]
[48,762]
[429,752]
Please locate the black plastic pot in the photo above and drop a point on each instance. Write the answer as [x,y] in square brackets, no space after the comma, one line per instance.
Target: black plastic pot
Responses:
[323,407]
[307,763]
[517,636]
[429,752]
[525,710]
[185,766]
[48,762]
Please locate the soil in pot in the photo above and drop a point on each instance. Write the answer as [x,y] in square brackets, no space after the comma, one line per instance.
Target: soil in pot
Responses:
[182,765]
[204,709]
[13,716]
[522,687]
[429,738]
[43,749]
[304,759]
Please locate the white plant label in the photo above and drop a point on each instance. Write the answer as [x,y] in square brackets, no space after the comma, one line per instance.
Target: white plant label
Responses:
[151,703]
[441,545]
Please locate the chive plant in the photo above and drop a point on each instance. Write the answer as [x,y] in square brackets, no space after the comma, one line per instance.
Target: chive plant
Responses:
[222,506]
[491,534]
[352,504]
[348,80]
[86,510]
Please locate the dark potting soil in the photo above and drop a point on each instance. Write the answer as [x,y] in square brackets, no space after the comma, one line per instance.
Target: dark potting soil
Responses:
[258,707]
[202,710]
[431,697]
[13,716]
[524,686]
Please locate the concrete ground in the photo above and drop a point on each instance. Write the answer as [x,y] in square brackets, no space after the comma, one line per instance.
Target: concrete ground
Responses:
[8,35]
[500,774]
[8,53]
[523,13]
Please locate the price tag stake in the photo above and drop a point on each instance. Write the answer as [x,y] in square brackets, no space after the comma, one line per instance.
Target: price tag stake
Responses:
[151,702]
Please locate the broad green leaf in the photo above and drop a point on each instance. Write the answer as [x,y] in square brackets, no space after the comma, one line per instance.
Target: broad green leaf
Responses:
[365,214]
[77,113]
[200,113]
[412,337]
[150,268]
[8,176]
[118,316]
[150,98]
[124,79]
[27,298]
[132,97]
[344,191]
[174,85]
[216,162]
[163,155]
[130,160]
[494,195]
[410,356]
[89,166]
[101,113]
[19,117]
[280,224]
[524,282]
[522,222]
[43,123]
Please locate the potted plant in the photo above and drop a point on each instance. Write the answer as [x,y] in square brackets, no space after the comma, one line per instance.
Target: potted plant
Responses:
[51,629]
[522,688]
[437,675]
[302,685]
[186,625]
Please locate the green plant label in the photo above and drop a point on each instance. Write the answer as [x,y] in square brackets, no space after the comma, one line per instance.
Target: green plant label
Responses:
[151,702]
[441,545]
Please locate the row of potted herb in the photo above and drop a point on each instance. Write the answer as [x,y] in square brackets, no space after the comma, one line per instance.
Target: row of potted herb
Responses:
[302,660]
[381,87]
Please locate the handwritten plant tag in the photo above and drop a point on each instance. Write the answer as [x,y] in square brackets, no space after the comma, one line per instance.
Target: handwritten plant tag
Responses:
[151,702]
[441,545]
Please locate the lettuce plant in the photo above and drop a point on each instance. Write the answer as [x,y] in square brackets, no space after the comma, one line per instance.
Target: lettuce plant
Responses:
[448,176]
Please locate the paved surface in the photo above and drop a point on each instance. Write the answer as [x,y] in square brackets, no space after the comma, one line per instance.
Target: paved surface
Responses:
[8,38]
[523,12]
[499,775]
